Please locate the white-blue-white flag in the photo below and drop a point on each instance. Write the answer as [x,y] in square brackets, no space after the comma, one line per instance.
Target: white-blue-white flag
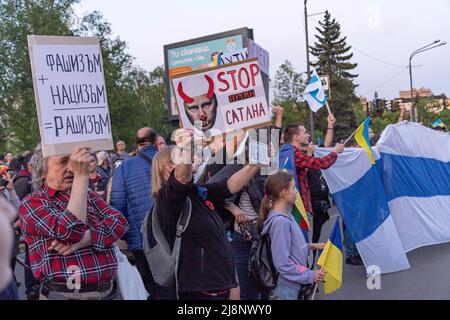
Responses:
[400,204]
[357,190]
[314,93]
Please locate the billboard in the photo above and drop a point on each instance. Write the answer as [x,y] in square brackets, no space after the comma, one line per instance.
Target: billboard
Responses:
[197,54]
[231,96]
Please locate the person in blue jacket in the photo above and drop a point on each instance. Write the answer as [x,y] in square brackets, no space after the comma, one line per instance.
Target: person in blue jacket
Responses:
[131,195]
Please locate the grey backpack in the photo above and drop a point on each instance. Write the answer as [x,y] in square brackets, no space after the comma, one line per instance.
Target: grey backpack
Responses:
[162,261]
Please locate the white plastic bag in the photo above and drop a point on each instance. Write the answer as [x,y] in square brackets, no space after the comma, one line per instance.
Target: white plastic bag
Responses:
[130,281]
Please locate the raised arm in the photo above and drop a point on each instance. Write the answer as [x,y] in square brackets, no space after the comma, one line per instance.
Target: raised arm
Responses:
[182,156]
[303,161]
[79,162]
[278,116]
[241,178]
[330,131]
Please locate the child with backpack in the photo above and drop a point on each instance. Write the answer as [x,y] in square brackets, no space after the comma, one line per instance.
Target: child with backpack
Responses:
[289,248]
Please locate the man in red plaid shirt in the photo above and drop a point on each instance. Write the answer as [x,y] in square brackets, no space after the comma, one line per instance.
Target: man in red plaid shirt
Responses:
[296,135]
[70,231]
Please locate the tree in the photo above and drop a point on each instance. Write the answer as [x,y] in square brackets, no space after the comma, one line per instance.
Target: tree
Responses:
[19,18]
[426,117]
[135,96]
[289,87]
[377,106]
[378,124]
[333,59]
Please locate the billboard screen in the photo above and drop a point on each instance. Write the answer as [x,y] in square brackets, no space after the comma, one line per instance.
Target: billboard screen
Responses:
[197,54]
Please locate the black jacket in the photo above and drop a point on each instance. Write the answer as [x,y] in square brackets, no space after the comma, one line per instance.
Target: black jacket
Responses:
[22,186]
[206,258]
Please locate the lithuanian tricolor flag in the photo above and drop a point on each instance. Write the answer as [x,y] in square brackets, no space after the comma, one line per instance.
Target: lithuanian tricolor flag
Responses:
[298,211]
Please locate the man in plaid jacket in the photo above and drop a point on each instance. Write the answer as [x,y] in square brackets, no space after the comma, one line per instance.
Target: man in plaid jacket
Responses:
[70,230]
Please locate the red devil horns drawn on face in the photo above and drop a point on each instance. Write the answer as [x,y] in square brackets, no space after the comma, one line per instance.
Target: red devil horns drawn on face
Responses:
[210,93]
[188,99]
[183,95]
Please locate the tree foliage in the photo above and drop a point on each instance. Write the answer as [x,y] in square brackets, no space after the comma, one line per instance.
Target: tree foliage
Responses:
[136,97]
[289,87]
[333,59]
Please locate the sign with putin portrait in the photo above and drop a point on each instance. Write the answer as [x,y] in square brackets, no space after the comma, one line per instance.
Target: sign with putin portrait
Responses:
[216,100]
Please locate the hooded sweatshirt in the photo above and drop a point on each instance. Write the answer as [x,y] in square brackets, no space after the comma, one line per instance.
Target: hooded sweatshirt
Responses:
[289,250]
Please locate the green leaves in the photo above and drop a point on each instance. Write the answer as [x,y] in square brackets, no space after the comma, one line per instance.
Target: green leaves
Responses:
[135,96]
[289,87]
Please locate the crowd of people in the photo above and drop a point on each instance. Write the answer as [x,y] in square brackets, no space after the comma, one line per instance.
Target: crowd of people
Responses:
[188,227]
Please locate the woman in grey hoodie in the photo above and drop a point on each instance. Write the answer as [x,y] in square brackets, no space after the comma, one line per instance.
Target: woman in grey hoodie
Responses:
[288,245]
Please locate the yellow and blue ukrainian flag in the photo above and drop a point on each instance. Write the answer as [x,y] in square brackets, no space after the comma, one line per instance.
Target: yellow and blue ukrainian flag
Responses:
[331,260]
[438,123]
[362,138]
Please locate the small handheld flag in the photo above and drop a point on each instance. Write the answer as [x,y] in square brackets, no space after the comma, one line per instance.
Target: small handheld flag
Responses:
[362,138]
[314,93]
[331,260]
[438,124]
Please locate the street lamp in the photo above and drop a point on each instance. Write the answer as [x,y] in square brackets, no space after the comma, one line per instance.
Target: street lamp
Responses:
[434,44]
[311,115]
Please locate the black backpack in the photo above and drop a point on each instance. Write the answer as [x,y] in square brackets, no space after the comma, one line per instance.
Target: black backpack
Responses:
[317,185]
[261,268]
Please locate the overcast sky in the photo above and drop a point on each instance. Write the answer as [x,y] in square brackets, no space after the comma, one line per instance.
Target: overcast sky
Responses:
[385,30]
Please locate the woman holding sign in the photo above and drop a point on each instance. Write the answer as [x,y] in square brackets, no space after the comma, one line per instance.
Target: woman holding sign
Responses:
[206,267]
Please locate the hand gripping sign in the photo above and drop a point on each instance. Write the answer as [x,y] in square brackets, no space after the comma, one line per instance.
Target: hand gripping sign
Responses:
[70,93]
[221,99]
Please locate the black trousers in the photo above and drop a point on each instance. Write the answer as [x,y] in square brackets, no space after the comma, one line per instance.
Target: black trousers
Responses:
[319,220]
[320,216]
[144,271]
[200,296]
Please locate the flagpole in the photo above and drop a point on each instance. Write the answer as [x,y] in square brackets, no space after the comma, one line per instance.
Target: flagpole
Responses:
[351,135]
[328,108]
[316,286]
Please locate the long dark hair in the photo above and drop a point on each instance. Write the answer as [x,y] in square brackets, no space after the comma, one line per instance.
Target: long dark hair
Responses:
[275,184]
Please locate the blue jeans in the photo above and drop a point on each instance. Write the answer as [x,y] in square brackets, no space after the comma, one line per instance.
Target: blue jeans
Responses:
[350,247]
[10,292]
[241,254]
[283,292]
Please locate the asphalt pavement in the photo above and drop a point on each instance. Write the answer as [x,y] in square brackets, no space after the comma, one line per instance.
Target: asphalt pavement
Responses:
[427,279]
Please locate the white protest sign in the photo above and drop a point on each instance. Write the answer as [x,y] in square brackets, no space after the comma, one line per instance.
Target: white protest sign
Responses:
[326,84]
[229,97]
[258,153]
[235,56]
[70,93]
[256,51]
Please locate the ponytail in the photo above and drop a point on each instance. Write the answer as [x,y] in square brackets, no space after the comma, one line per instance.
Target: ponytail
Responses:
[274,186]
[263,213]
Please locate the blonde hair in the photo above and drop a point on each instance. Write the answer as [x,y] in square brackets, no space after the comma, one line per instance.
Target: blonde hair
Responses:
[159,160]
